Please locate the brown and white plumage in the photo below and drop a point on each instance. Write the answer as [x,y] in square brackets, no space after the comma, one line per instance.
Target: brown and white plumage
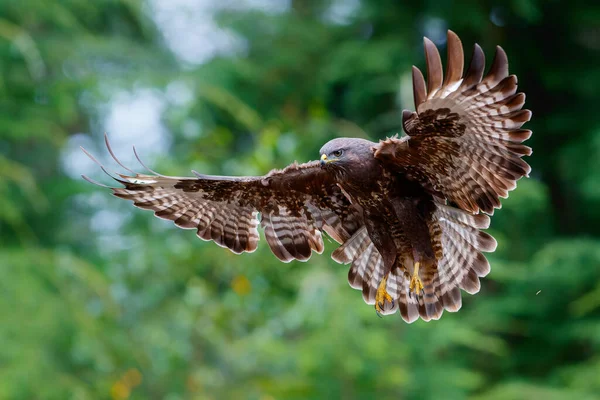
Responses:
[402,209]
[463,145]
[296,204]
[464,140]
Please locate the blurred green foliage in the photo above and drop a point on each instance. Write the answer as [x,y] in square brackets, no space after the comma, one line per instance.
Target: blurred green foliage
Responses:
[139,309]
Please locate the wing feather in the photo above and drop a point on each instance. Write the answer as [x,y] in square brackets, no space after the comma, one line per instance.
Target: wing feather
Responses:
[456,60]
[295,204]
[434,67]
[461,263]
[464,140]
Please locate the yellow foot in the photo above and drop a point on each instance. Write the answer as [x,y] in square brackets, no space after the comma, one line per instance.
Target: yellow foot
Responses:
[416,285]
[382,296]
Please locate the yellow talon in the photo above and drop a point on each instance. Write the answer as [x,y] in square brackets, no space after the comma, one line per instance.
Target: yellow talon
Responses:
[382,296]
[416,285]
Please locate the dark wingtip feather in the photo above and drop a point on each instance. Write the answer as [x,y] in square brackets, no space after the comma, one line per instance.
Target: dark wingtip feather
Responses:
[522,150]
[111,173]
[433,62]
[520,116]
[470,282]
[519,135]
[452,300]
[368,292]
[456,59]
[354,279]
[90,180]
[144,165]
[515,102]
[476,67]
[112,154]
[419,88]
[408,311]
[340,256]
[87,153]
[499,68]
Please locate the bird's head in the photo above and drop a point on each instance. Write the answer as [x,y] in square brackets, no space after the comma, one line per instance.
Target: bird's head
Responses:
[343,153]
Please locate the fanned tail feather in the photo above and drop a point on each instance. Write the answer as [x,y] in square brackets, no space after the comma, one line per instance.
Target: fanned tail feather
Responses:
[460,265]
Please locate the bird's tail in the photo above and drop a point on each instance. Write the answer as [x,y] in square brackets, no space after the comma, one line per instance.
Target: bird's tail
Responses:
[460,265]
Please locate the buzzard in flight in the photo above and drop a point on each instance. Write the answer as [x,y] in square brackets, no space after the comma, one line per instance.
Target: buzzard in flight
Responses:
[408,212]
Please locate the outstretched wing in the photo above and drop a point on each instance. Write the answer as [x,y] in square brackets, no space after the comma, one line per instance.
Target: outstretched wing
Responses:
[295,204]
[464,140]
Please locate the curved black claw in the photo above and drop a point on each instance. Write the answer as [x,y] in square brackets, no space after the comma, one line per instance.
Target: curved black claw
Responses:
[381,305]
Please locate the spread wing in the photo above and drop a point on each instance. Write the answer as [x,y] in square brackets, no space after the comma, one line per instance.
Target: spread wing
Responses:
[295,205]
[464,140]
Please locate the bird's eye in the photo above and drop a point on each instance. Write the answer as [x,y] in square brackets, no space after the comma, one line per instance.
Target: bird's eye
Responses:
[338,153]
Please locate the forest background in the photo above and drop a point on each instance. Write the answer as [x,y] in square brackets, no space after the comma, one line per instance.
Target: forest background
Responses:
[101,300]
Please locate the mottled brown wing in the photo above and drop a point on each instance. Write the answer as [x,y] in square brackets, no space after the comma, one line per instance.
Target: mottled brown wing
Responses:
[366,268]
[464,141]
[294,205]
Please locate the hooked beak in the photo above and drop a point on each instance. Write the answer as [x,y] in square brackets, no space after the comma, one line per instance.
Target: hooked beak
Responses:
[325,160]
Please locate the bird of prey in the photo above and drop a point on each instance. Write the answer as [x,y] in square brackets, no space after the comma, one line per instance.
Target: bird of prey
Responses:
[407,212]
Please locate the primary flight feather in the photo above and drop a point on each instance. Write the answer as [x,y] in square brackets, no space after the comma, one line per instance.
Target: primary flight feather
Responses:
[408,212]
